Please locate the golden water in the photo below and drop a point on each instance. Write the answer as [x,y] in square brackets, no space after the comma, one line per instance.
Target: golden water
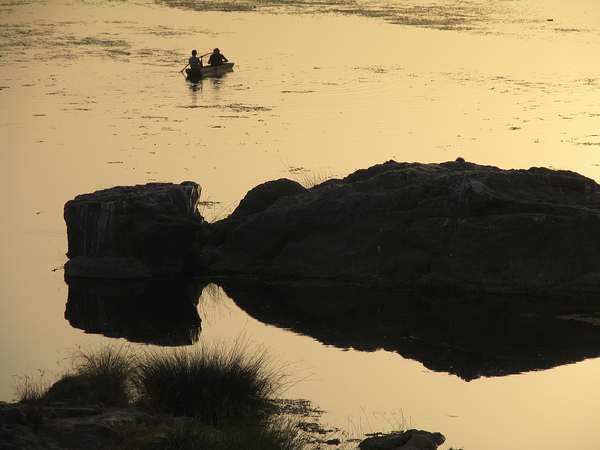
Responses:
[91,97]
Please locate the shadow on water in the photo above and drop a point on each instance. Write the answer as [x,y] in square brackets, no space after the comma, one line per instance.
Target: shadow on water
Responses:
[471,337]
[161,311]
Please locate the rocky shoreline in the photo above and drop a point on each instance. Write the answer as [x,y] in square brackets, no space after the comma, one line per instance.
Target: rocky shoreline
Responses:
[61,425]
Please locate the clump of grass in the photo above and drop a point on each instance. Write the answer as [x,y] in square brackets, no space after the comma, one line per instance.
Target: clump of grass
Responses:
[30,389]
[217,384]
[214,211]
[228,386]
[100,377]
[310,178]
[276,435]
[137,436]
[264,435]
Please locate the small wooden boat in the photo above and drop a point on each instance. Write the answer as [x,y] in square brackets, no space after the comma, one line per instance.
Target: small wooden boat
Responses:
[209,71]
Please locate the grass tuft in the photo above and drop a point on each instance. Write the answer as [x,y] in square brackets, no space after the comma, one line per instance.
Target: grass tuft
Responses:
[217,384]
[225,393]
[265,435]
[310,178]
[101,377]
[30,389]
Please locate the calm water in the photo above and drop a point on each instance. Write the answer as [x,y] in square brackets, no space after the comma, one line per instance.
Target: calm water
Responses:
[91,97]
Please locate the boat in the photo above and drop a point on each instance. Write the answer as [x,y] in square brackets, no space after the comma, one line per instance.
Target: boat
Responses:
[209,71]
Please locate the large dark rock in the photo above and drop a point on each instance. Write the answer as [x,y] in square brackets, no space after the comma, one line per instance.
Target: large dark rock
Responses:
[156,225]
[451,226]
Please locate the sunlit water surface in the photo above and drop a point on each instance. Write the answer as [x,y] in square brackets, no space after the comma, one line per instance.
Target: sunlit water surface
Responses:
[91,97]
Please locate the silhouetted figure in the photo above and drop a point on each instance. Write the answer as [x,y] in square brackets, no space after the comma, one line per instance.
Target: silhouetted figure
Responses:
[216,59]
[195,62]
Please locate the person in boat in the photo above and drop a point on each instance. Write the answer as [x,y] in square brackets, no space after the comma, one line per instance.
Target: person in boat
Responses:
[195,62]
[217,58]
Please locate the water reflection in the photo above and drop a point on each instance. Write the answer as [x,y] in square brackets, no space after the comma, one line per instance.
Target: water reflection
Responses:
[468,336]
[159,311]
[195,86]
[471,337]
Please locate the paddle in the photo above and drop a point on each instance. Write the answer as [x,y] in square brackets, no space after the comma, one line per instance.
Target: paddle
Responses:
[201,56]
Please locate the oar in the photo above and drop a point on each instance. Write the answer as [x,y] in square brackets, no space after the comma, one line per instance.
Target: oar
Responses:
[201,56]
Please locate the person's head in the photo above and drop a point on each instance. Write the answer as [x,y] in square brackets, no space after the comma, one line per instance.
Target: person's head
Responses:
[216,50]
[194,52]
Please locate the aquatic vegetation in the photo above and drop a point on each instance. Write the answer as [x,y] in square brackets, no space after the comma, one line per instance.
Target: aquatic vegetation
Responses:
[463,16]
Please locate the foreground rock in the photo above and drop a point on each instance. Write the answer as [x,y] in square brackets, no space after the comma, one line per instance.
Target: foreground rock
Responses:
[133,231]
[408,440]
[66,426]
[452,226]
[61,425]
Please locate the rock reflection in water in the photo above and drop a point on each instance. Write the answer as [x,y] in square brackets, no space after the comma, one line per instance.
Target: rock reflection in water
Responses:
[471,337]
[160,310]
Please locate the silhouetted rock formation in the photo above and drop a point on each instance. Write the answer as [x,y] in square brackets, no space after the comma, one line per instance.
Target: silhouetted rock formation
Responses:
[454,226]
[156,225]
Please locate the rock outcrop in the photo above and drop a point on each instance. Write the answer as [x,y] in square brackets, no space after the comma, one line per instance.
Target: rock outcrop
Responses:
[62,425]
[133,231]
[66,426]
[454,226]
[408,440]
